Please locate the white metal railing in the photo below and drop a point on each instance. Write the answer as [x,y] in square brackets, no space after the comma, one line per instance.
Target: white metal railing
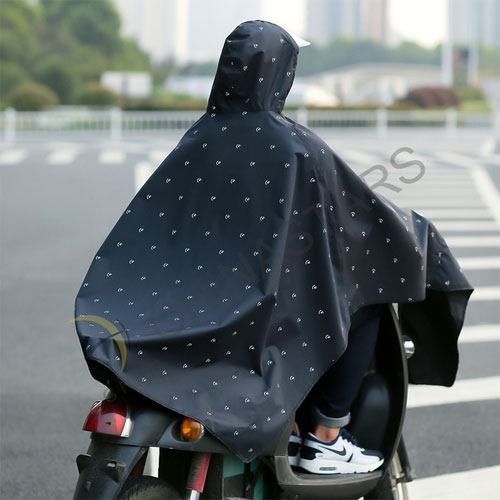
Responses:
[117,124]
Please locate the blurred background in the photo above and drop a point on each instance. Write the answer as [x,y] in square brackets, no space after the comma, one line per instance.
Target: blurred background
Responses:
[94,94]
[162,54]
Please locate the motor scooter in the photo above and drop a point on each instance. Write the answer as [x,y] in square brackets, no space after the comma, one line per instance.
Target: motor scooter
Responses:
[141,450]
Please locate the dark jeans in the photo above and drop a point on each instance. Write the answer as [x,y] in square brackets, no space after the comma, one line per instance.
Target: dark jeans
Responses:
[340,384]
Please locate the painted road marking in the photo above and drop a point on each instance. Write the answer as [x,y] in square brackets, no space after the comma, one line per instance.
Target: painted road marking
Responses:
[470,203]
[465,225]
[482,484]
[458,213]
[12,156]
[473,263]
[473,241]
[142,172]
[157,156]
[488,191]
[455,159]
[440,193]
[61,157]
[111,157]
[485,293]
[462,391]
[479,333]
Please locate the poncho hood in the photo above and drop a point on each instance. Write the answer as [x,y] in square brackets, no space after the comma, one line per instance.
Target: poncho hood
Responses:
[225,289]
[256,69]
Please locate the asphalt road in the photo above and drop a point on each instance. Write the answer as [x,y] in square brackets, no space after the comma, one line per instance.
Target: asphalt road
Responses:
[60,200]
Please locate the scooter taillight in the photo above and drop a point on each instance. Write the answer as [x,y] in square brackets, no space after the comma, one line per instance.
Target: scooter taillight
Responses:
[109,416]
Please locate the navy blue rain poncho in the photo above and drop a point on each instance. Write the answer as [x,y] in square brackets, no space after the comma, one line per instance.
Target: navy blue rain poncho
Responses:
[225,288]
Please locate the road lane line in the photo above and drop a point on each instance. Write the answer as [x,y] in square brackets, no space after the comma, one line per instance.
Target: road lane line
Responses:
[485,293]
[480,484]
[455,159]
[488,191]
[61,157]
[142,172]
[12,156]
[473,241]
[447,199]
[462,391]
[157,156]
[367,160]
[480,333]
[465,225]
[438,203]
[111,157]
[458,213]
[475,263]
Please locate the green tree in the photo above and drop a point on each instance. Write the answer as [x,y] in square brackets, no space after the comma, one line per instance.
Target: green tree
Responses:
[11,76]
[94,94]
[31,96]
[59,78]
[63,44]
[19,28]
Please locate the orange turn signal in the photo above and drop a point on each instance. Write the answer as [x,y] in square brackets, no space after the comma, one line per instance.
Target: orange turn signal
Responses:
[191,429]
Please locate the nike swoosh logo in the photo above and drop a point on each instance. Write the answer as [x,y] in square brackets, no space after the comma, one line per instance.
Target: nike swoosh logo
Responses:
[342,453]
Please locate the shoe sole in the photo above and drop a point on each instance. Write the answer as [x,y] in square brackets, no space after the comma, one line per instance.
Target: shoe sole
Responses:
[319,466]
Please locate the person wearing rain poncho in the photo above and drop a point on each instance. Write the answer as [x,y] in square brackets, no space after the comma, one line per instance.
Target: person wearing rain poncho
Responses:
[229,284]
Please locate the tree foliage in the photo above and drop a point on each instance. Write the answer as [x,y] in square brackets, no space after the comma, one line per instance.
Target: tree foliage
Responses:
[31,96]
[63,45]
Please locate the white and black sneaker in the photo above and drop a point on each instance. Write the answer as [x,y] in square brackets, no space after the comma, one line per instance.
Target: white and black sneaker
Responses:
[343,455]
[294,444]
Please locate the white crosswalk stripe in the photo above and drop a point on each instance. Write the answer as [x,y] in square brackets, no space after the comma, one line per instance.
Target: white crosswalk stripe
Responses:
[12,156]
[474,389]
[111,157]
[418,203]
[455,213]
[475,263]
[157,156]
[480,484]
[480,333]
[61,157]
[485,293]
[473,241]
[142,172]
[464,226]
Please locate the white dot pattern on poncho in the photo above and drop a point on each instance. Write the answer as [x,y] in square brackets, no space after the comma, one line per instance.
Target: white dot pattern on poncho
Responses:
[229,279]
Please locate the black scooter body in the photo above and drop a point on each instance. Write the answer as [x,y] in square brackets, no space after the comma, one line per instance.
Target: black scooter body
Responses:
[377,421]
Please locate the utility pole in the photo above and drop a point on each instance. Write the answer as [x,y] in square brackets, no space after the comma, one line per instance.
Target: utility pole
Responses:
[447,52]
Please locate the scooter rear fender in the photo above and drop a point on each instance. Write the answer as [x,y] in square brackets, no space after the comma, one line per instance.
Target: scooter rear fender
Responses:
[104,469]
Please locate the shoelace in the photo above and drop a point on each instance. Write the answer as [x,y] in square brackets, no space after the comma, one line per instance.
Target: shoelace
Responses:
[347,435]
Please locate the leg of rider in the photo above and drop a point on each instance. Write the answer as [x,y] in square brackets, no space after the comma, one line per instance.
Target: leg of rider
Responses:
[340,384]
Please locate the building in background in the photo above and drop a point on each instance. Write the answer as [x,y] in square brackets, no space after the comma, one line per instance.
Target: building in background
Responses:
[194,30]
[356,18]
[128,83]
[159,27]
[472,21]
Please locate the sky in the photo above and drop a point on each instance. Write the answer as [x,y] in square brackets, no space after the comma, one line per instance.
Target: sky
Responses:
[421,20]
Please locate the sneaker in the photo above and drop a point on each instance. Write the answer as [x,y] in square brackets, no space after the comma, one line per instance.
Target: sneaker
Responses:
[343,455]
[294,444]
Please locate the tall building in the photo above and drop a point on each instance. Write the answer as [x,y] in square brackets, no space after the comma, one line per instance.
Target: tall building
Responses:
[472,21]
[158,26]
[356,18]
[194,30]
